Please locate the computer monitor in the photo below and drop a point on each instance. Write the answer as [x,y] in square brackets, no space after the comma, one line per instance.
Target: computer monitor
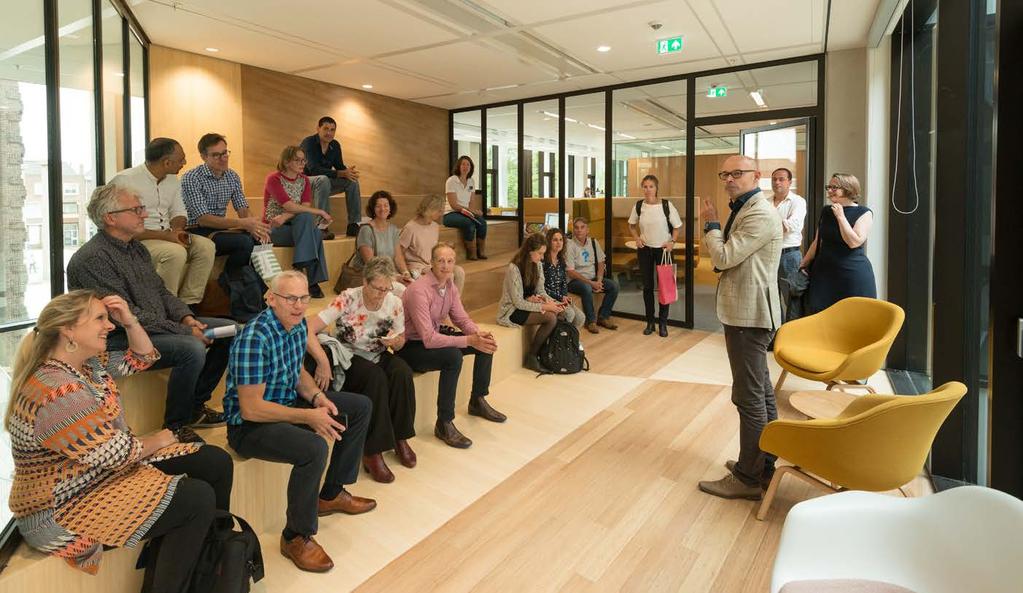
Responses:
[550,220]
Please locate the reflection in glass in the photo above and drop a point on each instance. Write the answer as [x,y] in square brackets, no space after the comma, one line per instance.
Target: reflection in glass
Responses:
[138,101]
[113,91]
[467,140]
[540,162]
[584,166]
[503,160]
[649,138]
[777,87]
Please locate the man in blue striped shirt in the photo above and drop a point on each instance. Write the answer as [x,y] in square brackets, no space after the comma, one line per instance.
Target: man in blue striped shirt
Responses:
[275,411]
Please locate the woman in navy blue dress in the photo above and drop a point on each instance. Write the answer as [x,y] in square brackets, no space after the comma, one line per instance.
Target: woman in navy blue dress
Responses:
[836,262]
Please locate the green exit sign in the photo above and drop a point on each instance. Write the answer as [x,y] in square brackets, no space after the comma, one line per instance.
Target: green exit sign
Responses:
[670,45]
[717,91]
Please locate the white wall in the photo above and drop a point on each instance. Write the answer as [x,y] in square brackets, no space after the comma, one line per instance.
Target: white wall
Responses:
[878,126]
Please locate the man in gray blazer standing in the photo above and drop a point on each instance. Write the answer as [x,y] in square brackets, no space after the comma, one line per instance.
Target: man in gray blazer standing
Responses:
[746,253]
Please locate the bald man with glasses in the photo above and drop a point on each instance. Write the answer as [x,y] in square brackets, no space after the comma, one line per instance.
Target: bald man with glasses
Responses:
[746,253]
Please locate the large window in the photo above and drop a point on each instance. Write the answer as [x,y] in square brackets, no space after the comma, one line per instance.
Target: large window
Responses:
[38,238]
[540,163]
[503,160]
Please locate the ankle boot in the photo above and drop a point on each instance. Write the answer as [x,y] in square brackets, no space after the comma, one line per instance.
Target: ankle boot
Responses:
[481,247]
[470,250]
[663,329]
[649,328]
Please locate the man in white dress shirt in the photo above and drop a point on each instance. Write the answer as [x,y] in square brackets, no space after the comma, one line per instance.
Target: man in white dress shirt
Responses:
[182,260]
[792,209]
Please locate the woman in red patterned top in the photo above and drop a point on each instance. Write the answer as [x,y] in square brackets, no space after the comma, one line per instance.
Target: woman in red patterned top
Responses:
[82,479]
[294,222]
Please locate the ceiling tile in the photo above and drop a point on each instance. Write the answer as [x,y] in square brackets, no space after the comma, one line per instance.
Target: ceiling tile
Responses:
[470,65]
[532,11]
[384,80]
[769,24]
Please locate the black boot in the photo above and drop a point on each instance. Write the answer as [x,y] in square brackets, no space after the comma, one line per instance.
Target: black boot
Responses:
[649,328]
[662,329]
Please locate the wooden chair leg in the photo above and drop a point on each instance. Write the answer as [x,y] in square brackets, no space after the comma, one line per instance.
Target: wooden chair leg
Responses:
[765,504]
[904,493]
[781,379]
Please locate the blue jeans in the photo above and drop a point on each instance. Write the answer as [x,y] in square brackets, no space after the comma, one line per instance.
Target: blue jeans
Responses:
[195,369]
[470,228]
[585,292]
[788,266]
[301,233]
[323,187]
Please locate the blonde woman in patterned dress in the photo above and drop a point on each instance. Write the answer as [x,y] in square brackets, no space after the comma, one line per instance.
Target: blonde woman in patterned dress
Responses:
[287,208]
[82,479]
[370,321]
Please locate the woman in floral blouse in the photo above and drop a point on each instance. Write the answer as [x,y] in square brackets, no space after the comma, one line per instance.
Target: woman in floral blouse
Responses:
[555,276]
[82,479]
[294,222]
[370,321]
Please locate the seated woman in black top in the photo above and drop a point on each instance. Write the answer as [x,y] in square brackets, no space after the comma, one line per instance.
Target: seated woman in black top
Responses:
[556,277]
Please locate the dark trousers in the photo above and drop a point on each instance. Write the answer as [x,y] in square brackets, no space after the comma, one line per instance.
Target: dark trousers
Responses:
[196,369]
[470,227]
[649,258]
[449,362]
[788,266]
[388,384]
[235,245]
[753,397]
[186,520]
[585,292]
[307,452]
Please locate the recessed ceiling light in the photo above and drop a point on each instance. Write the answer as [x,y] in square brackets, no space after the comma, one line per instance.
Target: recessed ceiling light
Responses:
[758,98]
[367,86]
[212,49]
[596,127]
[604,48]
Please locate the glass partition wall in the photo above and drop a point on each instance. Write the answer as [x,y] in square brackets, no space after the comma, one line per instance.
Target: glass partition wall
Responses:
[584,153]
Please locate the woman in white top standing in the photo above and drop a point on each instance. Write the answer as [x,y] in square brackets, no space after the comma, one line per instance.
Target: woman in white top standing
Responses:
[457,212]
[654,225]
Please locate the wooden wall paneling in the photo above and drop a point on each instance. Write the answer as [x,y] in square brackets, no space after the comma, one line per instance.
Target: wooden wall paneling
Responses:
[397,145]
[190,95]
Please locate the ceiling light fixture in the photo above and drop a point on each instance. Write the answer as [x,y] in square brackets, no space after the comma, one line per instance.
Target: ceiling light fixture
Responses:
[626,136]
[367,86]
[501,88]
[549,114]
[575,121]
[604,49]
[758,98]
[212,49]
[596,127]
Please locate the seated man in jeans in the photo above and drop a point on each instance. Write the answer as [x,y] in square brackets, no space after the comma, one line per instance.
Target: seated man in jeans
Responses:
[428,301]
[585,265]
[329,175]
[275,411]
[114,261]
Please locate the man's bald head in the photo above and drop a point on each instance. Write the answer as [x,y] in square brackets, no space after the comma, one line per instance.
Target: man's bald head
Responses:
[746,181]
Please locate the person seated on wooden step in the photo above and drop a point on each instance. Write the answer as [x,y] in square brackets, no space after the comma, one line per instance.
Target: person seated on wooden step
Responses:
[458,212]
[420,234]
[555,278]
[379,238]
[586,267]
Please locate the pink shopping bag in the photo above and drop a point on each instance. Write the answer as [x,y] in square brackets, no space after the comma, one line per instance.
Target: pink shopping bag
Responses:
[667,290]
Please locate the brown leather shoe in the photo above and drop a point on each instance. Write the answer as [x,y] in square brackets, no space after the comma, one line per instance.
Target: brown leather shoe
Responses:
[765,479]
[592,327]
[345,503]
[478,406]
[607,323]
[376,467]
[406,455]
[306,554]
[447,432]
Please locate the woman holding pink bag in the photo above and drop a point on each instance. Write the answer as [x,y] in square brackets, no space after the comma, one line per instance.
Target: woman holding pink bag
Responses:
[654,224]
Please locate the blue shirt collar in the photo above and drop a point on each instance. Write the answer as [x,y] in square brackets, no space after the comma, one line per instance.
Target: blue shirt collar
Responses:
[739,202]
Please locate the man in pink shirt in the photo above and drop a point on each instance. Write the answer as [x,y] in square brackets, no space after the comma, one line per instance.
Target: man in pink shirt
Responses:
[429,300]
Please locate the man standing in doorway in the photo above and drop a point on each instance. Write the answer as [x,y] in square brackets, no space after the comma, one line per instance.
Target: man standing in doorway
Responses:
[791,208]
[329,175]
[747,253]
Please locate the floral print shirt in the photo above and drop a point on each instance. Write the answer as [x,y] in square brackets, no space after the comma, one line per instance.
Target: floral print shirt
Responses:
[361,328]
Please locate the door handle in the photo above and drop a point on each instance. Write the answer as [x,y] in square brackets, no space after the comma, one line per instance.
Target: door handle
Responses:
[1019,337]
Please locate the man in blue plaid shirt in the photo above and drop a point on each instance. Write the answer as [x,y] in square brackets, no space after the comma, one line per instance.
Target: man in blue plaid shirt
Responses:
[275,412]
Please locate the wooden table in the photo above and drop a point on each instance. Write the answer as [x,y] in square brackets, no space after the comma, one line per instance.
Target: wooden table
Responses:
[821,404]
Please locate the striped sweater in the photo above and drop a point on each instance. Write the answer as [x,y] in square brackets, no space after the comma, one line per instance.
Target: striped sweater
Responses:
[79,480]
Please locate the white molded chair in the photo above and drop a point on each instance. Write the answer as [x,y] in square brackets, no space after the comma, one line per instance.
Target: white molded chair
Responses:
[964,539]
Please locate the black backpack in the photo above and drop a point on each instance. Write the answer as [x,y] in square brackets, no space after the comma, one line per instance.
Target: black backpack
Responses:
[229,562]
[245,289]
[562,353]
[667,213]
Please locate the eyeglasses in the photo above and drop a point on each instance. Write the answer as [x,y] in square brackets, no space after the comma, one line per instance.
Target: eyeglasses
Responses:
[294,300]
[137,210]
[219,155]
[300,160]
[724,175]
[378,289]
[833,187]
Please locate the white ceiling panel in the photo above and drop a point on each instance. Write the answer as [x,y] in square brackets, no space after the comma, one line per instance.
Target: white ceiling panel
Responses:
[670,70]
[633,43]
[384,80]
[470,65]
[768,24]
[533,11]
[848,27]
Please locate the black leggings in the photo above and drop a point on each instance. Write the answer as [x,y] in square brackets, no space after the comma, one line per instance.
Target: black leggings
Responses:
[545,322]
[186,520]
[649,258]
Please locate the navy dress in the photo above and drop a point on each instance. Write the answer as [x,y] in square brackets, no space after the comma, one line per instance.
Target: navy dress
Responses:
[838,272]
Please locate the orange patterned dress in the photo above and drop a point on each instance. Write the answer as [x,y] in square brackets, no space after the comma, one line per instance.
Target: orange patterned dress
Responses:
[79,481]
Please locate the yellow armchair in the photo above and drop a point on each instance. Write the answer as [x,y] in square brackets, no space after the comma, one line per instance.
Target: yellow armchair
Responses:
[841,345]
[878,443]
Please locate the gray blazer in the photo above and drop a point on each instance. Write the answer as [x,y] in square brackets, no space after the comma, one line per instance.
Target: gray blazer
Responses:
[747,294]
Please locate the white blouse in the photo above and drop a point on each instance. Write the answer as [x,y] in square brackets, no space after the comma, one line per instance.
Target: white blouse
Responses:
[463,193]
[652,228]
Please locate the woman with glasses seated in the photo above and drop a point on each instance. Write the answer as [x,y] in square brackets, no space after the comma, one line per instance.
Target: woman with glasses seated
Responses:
[83,480]
[836,261]
[379,238]
[370,321]
[293,221]
[654,225]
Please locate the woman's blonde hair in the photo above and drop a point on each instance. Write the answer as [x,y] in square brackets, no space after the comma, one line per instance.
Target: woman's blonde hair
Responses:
[63,311]
[429,203]
[849,184]
[288,155]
